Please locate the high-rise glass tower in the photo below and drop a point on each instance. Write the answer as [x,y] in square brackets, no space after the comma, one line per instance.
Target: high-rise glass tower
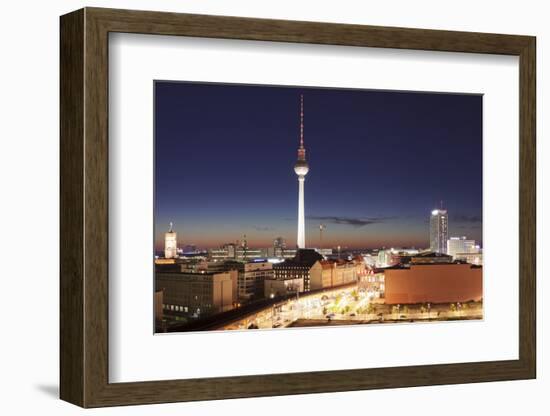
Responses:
[301,168]
[439,224]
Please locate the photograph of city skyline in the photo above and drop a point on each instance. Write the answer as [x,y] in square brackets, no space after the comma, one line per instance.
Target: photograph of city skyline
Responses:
[288,207]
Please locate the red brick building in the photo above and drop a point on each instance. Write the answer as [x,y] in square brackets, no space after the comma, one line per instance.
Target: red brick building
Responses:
[436,283]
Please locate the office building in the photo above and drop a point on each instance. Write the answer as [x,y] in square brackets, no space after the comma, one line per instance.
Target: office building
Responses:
[439,224]
[197,294]
[460,245]
[283,286]
[330,273]
[251,280]
[472,258]
[298,267]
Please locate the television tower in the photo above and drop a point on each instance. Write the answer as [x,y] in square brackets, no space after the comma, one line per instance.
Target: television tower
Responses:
[301,168]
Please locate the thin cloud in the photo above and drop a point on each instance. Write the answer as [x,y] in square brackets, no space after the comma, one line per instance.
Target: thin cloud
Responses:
[466,218]
[260,228]
[351,221]
[467,227]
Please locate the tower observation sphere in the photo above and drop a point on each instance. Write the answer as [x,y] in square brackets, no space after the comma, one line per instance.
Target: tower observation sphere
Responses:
[301,168]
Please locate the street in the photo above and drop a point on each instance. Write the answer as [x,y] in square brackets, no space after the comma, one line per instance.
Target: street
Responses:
[352,305]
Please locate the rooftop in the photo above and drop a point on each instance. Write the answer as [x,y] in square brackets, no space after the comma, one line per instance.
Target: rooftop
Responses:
[432,254]
[305,257]
[407,266]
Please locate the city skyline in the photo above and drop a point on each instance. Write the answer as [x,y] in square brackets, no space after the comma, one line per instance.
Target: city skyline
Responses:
[381,162]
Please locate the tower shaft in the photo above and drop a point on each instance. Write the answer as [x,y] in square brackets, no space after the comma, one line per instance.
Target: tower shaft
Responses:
[301,240]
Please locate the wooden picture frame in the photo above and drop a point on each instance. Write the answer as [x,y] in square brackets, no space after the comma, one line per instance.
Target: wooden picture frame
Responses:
[84,207]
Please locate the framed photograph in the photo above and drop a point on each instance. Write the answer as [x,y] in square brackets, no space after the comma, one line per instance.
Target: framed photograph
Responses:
[257,207]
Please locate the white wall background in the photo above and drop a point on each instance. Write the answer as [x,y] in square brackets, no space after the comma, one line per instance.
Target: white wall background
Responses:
[29,158]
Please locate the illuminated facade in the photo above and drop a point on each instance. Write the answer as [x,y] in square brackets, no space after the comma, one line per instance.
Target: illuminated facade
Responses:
[252,279]
[330,273]
[170,244]
[283,287]
[439,224]
[384,258]
[472,258]
[459,245]
[297,268]
[301,168]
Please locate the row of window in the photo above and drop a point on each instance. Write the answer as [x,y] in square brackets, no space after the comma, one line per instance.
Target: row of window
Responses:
[290,275]
[179,308]
[176,308]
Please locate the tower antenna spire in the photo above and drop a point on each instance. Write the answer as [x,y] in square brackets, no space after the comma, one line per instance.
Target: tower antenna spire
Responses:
[301,121]
[301,149]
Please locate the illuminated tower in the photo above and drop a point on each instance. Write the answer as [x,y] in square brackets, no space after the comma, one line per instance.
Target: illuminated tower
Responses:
[439,224]
[301,168]
[170,244]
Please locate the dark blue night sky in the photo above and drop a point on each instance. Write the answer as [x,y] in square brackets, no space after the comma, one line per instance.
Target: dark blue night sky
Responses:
[380,161]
